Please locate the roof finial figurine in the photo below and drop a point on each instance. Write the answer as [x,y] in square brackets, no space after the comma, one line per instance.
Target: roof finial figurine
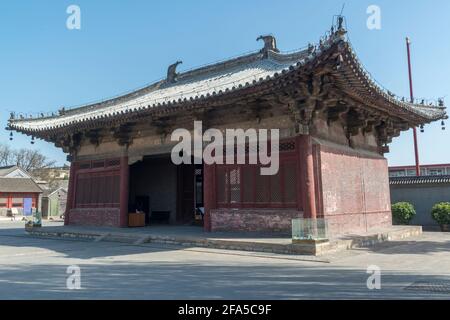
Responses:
[172,72]
[62,111]
[340,26]
[270,43]
[441,102]
[340,22]
[11,115]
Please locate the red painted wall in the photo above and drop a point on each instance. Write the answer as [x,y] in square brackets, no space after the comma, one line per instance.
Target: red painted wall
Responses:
[8,203]
[107,217]
[261,220]
[355,189]
[349,188]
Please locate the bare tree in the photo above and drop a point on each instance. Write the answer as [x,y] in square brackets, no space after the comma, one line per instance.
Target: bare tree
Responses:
[6,155]
[27,159]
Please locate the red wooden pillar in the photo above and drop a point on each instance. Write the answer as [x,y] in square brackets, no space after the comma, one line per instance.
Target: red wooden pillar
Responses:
[209,194]
[37,205]
[70,203]
[9,201]
[124,185]
[306,172]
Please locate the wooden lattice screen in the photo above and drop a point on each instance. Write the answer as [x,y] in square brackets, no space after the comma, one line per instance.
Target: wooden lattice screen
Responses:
[242,185]
[98,184]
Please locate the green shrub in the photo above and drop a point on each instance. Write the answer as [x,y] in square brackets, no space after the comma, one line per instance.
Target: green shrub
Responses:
[441,213]
[403,212]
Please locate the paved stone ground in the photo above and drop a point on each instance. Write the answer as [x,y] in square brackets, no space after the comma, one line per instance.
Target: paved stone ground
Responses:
[31,268]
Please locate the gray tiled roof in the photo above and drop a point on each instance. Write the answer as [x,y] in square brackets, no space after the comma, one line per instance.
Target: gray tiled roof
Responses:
[217,80]
[7,170]
[19,185]
[419,180]
[49,192]
[193,85]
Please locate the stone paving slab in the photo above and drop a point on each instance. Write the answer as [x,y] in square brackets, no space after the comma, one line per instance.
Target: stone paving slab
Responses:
[188,236]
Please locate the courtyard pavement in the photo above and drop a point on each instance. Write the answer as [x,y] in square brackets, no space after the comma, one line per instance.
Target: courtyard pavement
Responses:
[36,268]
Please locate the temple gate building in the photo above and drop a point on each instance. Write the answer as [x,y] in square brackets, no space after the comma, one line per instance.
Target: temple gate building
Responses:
[335,125]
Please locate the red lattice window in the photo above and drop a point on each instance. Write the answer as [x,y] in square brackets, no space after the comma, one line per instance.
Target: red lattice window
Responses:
[248,180]
[113,163]
[84,165]
[242,186]
[97,189]
[289,182]
[98,164]
[222,185]
[235,185]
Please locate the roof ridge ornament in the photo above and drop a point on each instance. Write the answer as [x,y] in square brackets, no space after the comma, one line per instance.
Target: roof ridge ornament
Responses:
[270,44]
[172,72]
[338,28]
[341,31]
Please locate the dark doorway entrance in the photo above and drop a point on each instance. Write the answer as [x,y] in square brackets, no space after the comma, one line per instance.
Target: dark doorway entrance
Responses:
[153,189]
[186,194]
[190,194]
[166,193]
[142,204]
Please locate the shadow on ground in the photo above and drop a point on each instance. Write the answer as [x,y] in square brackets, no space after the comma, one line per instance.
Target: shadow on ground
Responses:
[17,240]
[155,280]
[35,268]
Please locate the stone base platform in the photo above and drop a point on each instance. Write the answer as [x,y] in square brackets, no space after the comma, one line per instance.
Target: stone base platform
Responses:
[190,236]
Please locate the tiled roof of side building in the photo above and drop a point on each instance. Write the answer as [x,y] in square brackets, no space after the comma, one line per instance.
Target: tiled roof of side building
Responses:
[220,79]
[22,185]
[49,192]
[438,165]
[7,169]
[420,180]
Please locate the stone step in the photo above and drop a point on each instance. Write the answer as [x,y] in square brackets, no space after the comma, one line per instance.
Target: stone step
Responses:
[122,238]
[316,249]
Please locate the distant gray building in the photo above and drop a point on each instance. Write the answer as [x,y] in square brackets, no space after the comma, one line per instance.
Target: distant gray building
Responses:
[54,203]
[423,192]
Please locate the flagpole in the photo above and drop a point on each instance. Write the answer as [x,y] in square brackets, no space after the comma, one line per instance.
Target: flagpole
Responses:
[416,147]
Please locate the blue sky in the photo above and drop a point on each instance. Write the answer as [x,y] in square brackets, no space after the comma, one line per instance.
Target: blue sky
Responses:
[126,44]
